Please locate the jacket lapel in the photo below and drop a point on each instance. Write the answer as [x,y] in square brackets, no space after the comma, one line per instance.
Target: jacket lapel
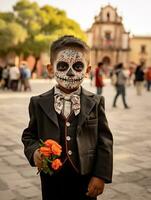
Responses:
[87,103]
[47,104]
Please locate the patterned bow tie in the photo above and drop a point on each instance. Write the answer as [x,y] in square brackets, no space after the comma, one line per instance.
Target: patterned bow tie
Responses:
[59,103]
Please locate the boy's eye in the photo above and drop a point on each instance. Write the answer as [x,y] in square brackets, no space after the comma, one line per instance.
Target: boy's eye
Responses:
[62,66]
[78,66]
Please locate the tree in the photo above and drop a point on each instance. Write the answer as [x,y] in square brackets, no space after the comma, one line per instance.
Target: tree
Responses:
[11,35]
[31,29]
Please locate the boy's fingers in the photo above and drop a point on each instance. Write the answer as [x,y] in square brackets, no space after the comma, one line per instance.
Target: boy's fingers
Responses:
[93,192]
[100,191]
[38,163]
[40,156]
[90,189]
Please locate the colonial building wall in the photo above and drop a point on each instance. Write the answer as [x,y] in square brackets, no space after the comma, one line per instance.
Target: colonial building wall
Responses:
[140,50]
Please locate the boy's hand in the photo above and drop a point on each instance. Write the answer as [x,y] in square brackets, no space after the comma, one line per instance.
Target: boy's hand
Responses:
[95,187]
[38,157]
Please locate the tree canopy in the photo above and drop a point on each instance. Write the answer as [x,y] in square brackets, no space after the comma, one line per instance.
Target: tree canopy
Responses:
[30,29]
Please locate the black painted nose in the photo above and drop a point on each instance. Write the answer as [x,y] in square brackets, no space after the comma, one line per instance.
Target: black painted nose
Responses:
[70,72]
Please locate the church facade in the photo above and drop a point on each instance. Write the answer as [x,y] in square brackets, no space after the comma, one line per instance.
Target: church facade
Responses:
[111,43]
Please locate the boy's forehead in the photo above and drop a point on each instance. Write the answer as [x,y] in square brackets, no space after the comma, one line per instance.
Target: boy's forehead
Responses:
[69,54]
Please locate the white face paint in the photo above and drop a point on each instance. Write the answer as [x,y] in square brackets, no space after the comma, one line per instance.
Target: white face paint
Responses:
[70,68]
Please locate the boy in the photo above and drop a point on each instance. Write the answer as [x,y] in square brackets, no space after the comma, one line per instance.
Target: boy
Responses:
[75,118]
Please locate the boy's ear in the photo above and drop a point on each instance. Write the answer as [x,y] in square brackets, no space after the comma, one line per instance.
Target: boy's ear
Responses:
[88,71]
[50,70]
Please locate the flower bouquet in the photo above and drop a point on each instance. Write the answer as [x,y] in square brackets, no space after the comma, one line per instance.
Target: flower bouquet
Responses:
[51,152]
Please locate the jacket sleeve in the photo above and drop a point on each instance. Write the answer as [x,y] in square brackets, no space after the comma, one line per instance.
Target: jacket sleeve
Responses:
[104,158]
[30,134]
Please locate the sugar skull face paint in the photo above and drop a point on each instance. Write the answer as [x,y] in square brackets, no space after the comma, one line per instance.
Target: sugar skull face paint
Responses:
[70,68]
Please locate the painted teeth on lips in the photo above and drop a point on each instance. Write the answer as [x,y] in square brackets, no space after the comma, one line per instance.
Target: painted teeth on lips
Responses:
[70,80]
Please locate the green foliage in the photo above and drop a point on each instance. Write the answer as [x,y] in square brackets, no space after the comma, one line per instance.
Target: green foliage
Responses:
[31,29]
[7,16]
[2,24]
[11,34]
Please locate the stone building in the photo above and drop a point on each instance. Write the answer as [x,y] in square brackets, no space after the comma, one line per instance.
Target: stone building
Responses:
[111,43]
[140,50]
[108,39]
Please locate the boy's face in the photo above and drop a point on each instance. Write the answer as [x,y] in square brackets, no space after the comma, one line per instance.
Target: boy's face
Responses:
[70,67]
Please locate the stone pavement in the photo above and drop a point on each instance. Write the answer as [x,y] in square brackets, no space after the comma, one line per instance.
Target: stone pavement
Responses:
[132,145]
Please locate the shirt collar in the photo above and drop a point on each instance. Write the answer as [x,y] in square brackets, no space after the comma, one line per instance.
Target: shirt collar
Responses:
[67,96]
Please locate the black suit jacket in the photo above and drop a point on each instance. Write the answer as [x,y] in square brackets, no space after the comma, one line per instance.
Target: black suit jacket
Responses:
[94,138]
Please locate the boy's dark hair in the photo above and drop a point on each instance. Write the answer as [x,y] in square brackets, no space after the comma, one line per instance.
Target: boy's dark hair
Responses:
[67,41]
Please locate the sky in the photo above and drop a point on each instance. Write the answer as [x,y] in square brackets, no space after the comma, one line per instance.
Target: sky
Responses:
[136,13]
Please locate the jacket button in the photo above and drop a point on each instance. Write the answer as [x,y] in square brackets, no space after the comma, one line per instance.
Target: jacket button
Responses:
[67,124]
[70,152]
[68,138]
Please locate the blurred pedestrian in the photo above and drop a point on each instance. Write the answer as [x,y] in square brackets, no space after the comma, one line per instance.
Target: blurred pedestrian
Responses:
[25,75]
[120,85]
[22,77]
[1,69]
[99,83]
[27,78]
[139,79]
[148,78]
[91,77]
[14,75]
[5,77]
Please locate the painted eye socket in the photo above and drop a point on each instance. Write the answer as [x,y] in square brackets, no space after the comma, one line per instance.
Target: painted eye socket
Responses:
[78,66]
[62,66]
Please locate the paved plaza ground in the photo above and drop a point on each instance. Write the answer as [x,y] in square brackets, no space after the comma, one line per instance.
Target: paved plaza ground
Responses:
[131,130]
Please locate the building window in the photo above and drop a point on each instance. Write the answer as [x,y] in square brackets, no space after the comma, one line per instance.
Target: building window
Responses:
[143,48]
[107,35]
[108,40]
[108,16]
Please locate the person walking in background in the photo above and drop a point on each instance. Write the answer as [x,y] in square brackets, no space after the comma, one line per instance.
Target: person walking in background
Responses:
[22,86]
[14,75]
[75,118]
[91,76]
[120,85]
[27,78]
[1,70]
[99,83]
[139,79]
[5,77]
[148,78]
[25,75]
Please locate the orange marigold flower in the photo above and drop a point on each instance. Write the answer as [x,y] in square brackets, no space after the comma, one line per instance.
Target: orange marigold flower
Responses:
[45,151]
[56,150]
[56,164]
[50,150]
[50,142]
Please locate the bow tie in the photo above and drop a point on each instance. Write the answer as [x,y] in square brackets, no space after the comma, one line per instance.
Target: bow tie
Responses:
[59,103]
